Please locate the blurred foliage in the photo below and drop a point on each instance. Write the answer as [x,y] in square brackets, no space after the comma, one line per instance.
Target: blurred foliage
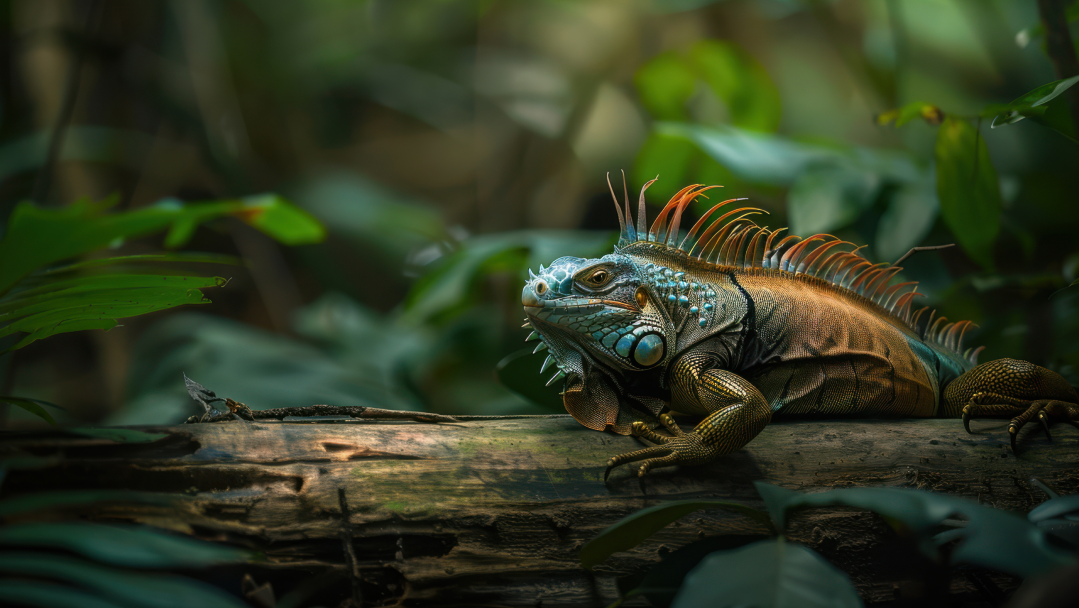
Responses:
[42,300]
[448,146]
[50,562]
[944,531]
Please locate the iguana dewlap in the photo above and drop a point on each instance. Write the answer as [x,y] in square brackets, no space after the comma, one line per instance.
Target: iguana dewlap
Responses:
[737,323]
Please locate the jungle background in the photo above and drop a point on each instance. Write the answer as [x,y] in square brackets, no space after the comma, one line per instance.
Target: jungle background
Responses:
[447,146]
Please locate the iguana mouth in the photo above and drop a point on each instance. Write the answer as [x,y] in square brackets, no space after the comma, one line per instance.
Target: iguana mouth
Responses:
[577,304]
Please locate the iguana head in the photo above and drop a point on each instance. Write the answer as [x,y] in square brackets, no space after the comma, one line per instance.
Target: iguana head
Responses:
[599,308]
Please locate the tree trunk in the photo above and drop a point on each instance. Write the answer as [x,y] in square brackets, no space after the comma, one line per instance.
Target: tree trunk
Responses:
[494,512]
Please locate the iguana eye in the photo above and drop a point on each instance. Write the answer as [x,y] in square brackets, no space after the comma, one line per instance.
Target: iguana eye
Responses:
[641,297]
[599,277]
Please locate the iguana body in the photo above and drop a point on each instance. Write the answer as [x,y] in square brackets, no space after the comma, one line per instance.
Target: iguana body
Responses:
[736,323]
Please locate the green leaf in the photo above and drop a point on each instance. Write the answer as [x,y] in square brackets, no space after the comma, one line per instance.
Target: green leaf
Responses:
[992,539]
[665,84]
[31,405]
[122,545]
[664,579]
[636,528]
[451,287]
[126,588]
[912,210]
[1021,107]
[777,161]
[95,311]
[98,289]
[51,595]
[117,435]
[767,574]
[520,373]
[739,80]
[967,188]
[37,237]
[825,198]
[43,501]
[282,220]
[1055,507]
[667,156]
[63,326]
[188,257]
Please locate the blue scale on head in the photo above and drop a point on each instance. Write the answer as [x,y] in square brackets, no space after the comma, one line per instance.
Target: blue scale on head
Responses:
[610,339]
[708,306]
[597,335]
[671,298]
[694,309]
[667,272]
[679,275]
[683,300]
[703,322]
[624,345]
[693,286]
[682,285]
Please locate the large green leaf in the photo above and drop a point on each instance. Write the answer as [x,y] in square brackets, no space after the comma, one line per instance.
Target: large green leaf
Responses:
[37,237]
[1060,506]
[992,539]
[122,545]
[912,210]
[99,290]
[825,198]
[125,588]
[967,188]
[669,157]
[743,84]
[452,286]
[636,528]
[767,574]
[665,84]
[51,595]
[183,257]
[664,579]
[777,161]
[95,311]
[1034,105]
[34,406]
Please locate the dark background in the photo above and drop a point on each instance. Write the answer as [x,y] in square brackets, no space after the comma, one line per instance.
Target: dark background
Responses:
[448,145]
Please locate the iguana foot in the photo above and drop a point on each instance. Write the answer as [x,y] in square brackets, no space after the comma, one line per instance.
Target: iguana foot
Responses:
[680,448]
[1013,388]
[1046,411]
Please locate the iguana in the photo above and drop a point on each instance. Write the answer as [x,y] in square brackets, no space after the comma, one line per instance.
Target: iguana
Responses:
[737,323]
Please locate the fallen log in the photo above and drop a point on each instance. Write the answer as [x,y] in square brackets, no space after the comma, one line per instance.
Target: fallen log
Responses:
[494,512]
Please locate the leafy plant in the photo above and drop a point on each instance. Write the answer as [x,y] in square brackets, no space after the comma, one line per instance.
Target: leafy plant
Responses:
[40,299]
[967,184]
[777,573]
[79,563]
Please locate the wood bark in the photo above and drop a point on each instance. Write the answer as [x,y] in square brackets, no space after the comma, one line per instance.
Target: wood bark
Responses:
[494,512]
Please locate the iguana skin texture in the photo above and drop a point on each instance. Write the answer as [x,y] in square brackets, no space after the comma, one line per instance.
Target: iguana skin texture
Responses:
[740,324]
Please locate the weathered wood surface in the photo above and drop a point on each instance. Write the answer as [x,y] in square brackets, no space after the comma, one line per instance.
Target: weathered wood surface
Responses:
[495,512]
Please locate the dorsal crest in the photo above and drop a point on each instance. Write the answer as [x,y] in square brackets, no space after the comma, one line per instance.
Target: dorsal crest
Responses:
[731,239]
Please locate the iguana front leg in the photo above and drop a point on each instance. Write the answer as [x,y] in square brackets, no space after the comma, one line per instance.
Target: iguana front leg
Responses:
[735,413]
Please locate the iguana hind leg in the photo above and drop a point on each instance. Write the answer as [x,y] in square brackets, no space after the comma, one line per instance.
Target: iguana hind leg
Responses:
[1010,387]
[735,413]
